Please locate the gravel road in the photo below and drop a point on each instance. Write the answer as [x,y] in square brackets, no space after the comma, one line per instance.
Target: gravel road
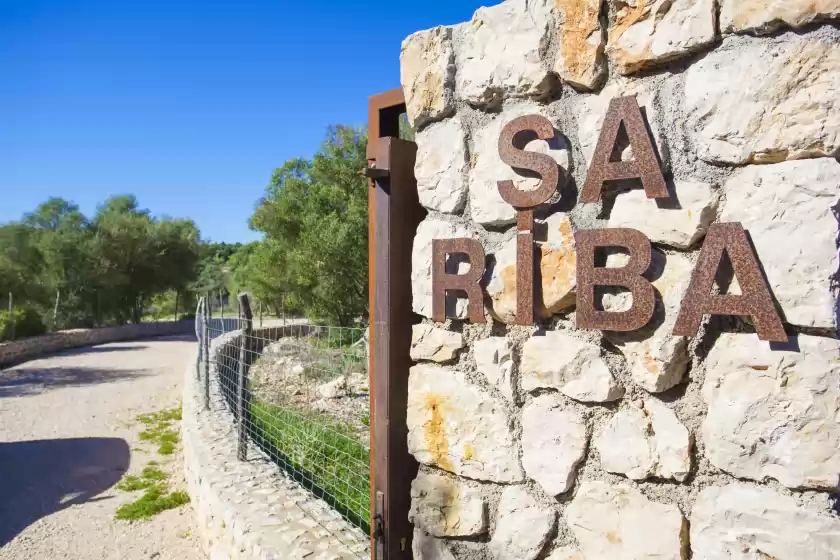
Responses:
[68,433]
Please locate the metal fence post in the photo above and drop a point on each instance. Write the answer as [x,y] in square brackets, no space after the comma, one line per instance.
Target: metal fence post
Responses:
[206,357]
[11,316]
[200,329]
[243,402]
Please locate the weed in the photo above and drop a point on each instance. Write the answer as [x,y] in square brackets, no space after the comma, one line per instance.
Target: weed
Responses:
[159,429]
[150,475]
[154,500]
[366,419]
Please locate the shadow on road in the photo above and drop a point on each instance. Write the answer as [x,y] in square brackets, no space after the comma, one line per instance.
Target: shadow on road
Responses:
[41,477]
[25,380]
[104,349]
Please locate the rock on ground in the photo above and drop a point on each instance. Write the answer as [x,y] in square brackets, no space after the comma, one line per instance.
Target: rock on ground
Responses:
[796,244]
[766,16]
[445,507]
[644,442]
[553,443]
[421,266]
[523,526]
[441,161]
[558,361]
[427,74]
[617,521]
[435,344]
[774,412]
[740,522]
[784,104]
[494,360]
[650,32]
[459,427]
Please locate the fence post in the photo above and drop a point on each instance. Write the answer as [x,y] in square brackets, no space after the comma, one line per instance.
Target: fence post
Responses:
[243,404]
[200,329]
[11,316]
[260,314]
[207,318]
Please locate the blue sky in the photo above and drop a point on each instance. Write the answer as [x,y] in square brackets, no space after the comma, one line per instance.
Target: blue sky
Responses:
[188,105]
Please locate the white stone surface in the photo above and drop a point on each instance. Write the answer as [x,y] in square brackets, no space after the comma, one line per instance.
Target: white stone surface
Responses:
[581,40]
[553,443]
[774,412]
[445,507]
[680,223]
[591,110]
[740,522]
[486,167]
[784,104]
[788,210]
[427,74]
[644,442]
[565,553]
[649,32]
[558,262]
[435,344]
[441,161]
[765,16]
[558,361]
[421,265]
[494,360]
[657,359]
[334,389]
[619,522]
[458,427]
[523,526]
[501,54]
[426,547]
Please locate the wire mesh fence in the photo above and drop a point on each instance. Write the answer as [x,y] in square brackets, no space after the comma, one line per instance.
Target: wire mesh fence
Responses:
[299,394]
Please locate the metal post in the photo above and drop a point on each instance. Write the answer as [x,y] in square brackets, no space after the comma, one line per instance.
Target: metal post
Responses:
[207,318]
[222,305]
[200,330]
[11,316]
[261,315]
[243,404]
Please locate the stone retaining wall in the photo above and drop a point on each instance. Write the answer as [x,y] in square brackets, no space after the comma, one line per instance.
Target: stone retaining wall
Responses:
[250,509]
[17,351]
[552,442]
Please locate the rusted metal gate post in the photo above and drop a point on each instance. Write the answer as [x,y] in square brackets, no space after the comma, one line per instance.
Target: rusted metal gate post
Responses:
[243,402]
[394,212]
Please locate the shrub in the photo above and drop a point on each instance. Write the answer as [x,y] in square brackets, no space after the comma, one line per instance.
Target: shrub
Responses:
[24,322]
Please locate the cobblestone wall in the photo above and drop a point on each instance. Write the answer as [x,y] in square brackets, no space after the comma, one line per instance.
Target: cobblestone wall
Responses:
[18,351]
[552,442]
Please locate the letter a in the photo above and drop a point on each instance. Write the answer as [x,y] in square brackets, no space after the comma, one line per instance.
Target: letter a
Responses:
[756,301]
[644,165]
[469,282]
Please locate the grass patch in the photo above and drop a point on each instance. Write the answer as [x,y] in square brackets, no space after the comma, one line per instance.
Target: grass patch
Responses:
[150,476]
[155,500]
[325,457]
[159,429]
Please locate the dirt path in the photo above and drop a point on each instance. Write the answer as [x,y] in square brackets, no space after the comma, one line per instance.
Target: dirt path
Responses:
[68,433]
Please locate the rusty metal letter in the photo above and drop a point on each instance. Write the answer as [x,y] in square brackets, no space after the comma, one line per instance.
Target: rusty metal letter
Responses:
[525,267]
[756,300]
[630,277]
[644,165]
[533,161]
[469,282]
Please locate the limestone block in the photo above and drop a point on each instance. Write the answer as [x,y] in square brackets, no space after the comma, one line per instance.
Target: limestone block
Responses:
[657,359]
[580,51]
[441,160]
[553,443]
[494,360]
[644,442]
[426,547]
[558,262]
[444,507]
[458,427]
[502,54]
[427,75]
[765,16]
[681,221]
[774,412]
[740,522]
[432,343]
[486,167]
[784,104]
[421,265]
[617,521]
[649,32]
[590,111]
[788,210]
[523,526]
[558,361]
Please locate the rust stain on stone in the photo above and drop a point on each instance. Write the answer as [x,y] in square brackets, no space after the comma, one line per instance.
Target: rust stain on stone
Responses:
[580,21]
[626,18]
[469,452]
[612,537]
[435,432]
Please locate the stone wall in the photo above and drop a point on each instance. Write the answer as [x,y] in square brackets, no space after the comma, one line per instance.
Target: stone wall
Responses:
[17,351]
[552,442]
